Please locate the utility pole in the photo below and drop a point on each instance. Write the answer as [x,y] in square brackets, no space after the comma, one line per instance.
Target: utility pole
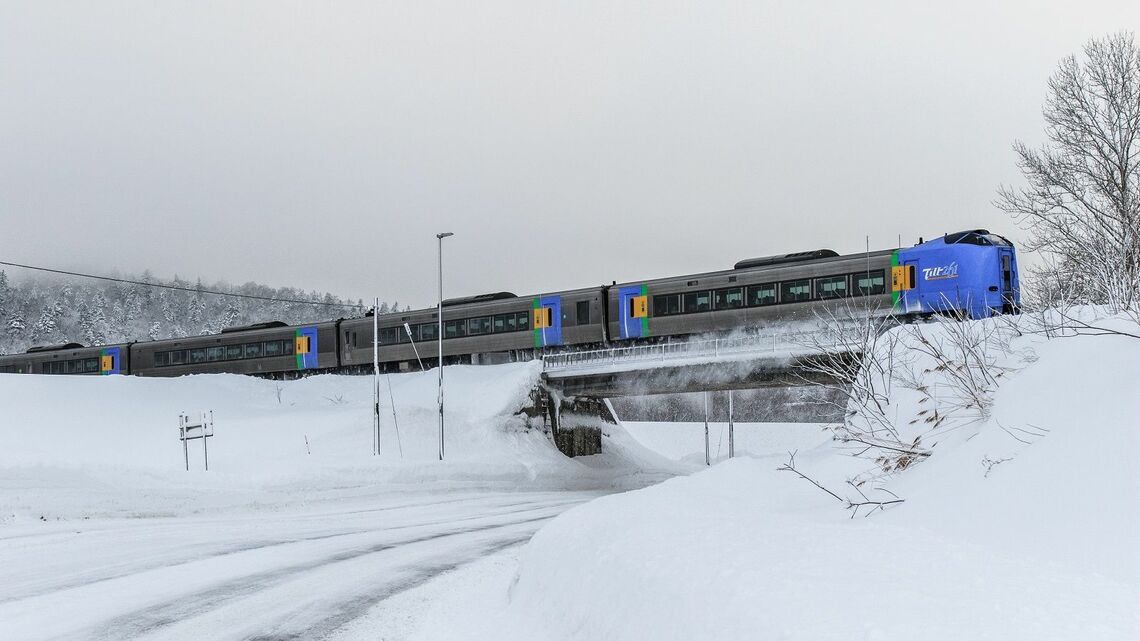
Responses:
[707,460]
[731,437]
[439,336]
[376,380]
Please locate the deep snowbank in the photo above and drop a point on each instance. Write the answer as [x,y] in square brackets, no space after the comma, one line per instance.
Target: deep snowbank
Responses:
[1044,544]
[87,446]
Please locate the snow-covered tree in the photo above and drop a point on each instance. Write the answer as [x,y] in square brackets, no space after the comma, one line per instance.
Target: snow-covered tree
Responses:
[106,313]
[1081,206]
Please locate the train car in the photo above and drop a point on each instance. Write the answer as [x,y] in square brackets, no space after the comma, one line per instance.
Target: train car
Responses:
[971,273]
[756,292]
[69,358]
[484,329]
[272,348]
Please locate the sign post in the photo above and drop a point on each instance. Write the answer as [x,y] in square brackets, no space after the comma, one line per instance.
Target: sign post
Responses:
[190,429]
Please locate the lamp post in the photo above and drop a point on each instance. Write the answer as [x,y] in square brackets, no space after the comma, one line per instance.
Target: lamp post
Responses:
[439,337]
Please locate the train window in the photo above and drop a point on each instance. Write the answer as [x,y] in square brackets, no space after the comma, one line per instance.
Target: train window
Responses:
[427,331]
[233,352]
[57,367]
[251,350]
[288,348]
[161,359]
[454,329]
[178,357]
[198,355]
[762,294]
[522,321]
[272,348]
[831,287]
[582,312]
[697,302]
[72,367]
[869,283]
[388,336]
[214,354]
[666,304]
[479,325]
[795,290]
[91,365]
[503,323]
[730,298]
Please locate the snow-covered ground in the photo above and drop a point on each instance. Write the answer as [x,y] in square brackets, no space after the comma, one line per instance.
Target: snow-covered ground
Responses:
[1021,525]
[685,441]
[296,529]
[1002,535]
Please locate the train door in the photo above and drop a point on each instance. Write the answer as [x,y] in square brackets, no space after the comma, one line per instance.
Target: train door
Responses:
[633,311]
[305,347]
[904,286]
[547,321]
[111,361]
[1010,301]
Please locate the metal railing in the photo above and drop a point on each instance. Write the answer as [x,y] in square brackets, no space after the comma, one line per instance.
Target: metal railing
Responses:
[661,352]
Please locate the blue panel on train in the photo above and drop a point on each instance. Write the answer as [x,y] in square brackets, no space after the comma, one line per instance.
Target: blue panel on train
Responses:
[305,347]
[110,361]
[965,277]
[553,334]
[632,324]
[548,332]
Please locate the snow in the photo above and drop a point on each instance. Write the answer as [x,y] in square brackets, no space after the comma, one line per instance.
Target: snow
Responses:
[78,447]
[280,539]
[1043,545]
[1021,525]
[685,441]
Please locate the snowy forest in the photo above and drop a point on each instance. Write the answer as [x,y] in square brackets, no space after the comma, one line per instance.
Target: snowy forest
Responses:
[48,311]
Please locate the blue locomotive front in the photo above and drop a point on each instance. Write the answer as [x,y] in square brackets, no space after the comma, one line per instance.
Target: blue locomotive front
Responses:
[972,273]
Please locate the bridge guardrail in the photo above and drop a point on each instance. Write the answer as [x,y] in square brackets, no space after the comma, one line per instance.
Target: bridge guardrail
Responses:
[660,352]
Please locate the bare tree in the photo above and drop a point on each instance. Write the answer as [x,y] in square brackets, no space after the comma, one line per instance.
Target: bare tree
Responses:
[855,354]
[1081,205]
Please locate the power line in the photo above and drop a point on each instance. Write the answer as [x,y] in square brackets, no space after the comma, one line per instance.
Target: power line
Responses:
[180,288]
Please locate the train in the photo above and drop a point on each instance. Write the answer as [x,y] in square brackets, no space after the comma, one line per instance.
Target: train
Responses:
[971,274]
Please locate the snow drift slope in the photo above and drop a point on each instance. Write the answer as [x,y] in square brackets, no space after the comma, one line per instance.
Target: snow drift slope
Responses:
[86,446]
[1043,545]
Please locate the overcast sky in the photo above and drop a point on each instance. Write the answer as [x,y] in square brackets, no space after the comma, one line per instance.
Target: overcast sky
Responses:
[569,144]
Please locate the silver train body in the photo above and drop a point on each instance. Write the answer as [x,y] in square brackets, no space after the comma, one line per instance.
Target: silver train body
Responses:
[503,327]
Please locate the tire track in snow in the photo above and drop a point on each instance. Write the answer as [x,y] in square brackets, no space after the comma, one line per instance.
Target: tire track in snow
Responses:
[152,619]
[123,570]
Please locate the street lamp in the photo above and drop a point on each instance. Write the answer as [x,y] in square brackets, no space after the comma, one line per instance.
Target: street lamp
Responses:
[439,337]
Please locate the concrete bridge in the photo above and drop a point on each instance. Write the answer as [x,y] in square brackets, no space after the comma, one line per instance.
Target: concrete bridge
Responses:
[576,385]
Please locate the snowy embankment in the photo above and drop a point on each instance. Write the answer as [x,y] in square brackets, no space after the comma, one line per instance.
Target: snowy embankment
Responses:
[78,447]
[1022,524]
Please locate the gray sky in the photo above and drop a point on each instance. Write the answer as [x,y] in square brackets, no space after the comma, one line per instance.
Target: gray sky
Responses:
[566,144]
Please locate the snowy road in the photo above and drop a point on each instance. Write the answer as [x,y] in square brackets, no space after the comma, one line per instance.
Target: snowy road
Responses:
[296,573]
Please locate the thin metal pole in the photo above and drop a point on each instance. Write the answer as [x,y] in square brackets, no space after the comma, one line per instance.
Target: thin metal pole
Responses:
[376,380]
[205,450]
[395,423]
[708,461]
[440,238]
[731,439]
[408,329]
[185,447]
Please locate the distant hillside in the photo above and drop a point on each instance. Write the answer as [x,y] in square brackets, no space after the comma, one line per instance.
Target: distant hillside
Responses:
[93,312]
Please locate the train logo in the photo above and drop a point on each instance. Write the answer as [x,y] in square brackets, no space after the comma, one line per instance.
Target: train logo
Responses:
[941,272]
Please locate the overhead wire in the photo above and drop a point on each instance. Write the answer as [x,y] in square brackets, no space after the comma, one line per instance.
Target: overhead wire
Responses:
[181,288]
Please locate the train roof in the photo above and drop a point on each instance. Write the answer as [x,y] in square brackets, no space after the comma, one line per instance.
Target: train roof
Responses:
[479,298]
[250,328]
[52,348]
[782,259]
